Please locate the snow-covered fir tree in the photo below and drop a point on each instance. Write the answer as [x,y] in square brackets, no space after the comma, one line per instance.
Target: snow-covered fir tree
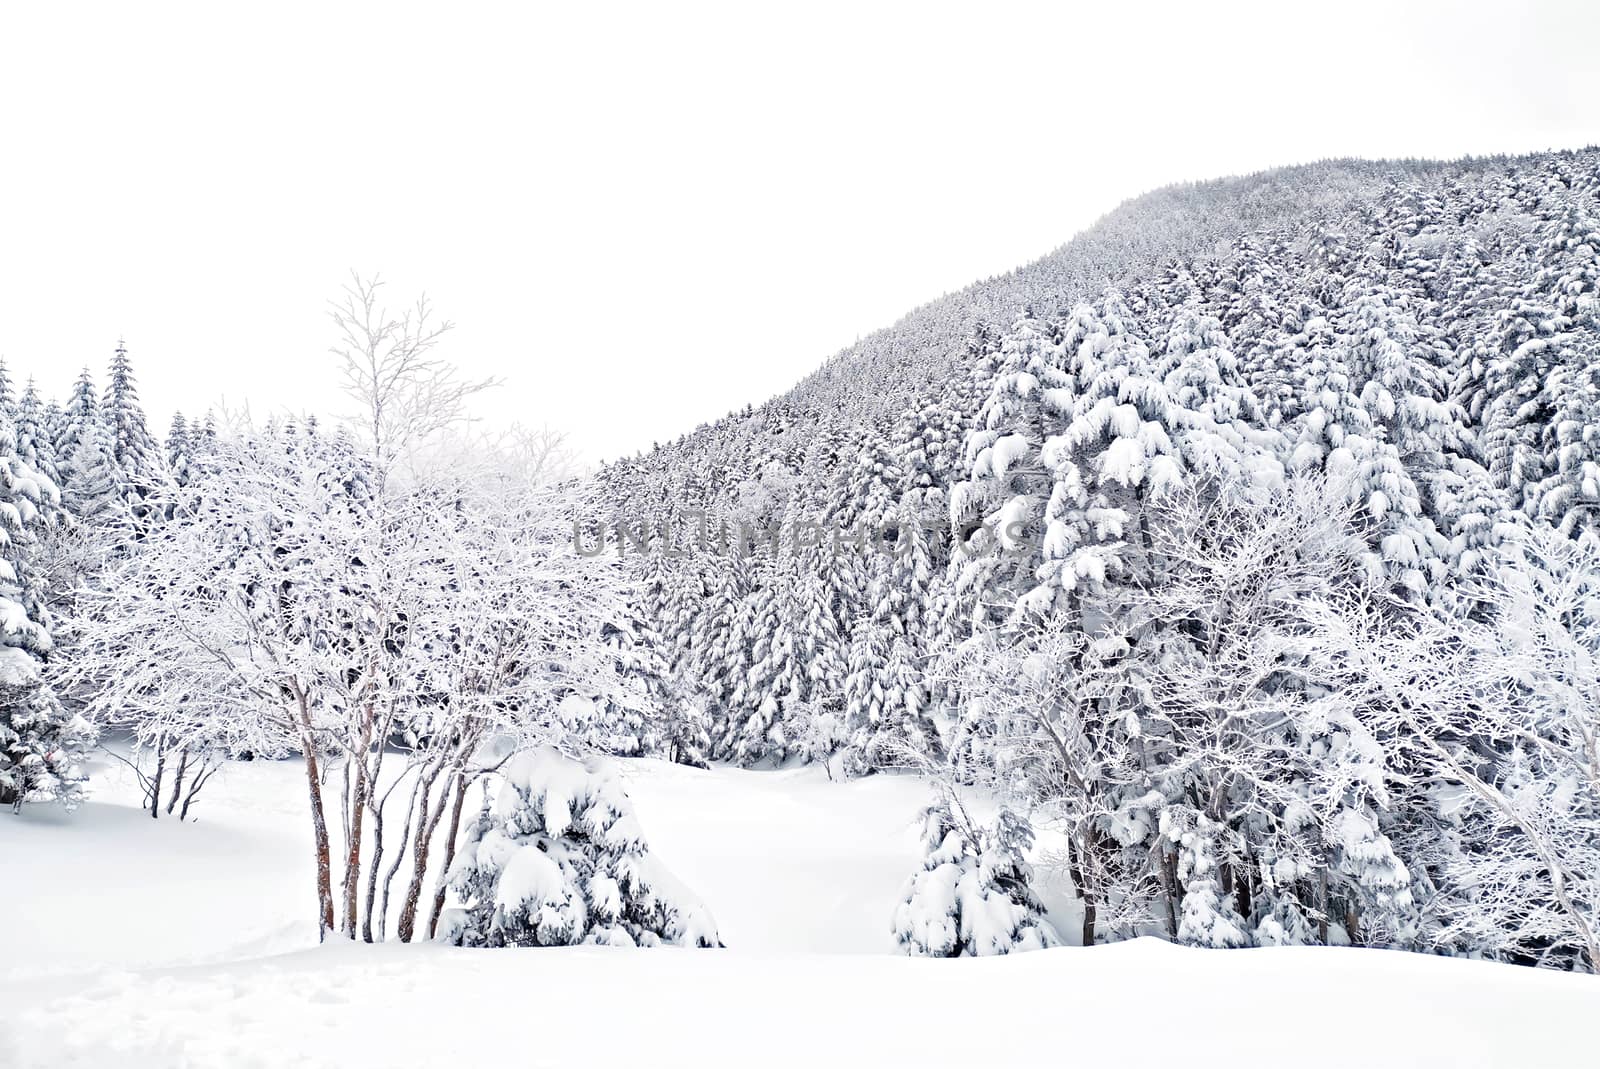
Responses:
[971,896]
[134,451]
[42,745]
[8,396]
[559,859]
[35,445]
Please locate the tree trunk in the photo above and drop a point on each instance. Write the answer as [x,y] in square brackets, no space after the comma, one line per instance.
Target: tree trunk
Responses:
[319,835]
[352,861]
[399,857]
[155,781]
[451,831]
[1090,912]
[1352,924]
[378,802]
[356,799]
[1078,871]
[194,789]
[419,868]
[177,783]
[372,874]
[1322,905]
[319,817]
[1169,882]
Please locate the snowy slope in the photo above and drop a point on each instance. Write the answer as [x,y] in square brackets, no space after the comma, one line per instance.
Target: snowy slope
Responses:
[787,861]
[161,945]
[117,889]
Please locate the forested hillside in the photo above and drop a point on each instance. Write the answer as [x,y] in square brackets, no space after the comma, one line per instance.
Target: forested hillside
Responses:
[1250,538]
[1238,565]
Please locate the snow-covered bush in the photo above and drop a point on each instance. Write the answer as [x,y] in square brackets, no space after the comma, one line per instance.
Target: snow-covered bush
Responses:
[558,859]
[971,897]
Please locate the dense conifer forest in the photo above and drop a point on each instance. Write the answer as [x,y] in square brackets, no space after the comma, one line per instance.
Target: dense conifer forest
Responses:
[1251,538]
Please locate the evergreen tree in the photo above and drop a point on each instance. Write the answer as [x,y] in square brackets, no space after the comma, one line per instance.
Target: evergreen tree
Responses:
[1001,505]
[1207,918]
[94,492]
[772,680]
[133,450]
[1336,435]
[628,720]
[42,745]
[89,476]
[180,446]
[81,410]
[8,399]
[971,897]
[558,859]
[35,446]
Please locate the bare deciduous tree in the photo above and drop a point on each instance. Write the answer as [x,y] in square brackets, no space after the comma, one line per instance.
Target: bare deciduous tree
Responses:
[405,393]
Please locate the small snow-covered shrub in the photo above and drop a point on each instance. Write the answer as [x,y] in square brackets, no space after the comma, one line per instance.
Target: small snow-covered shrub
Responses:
[971,896]
[558,859]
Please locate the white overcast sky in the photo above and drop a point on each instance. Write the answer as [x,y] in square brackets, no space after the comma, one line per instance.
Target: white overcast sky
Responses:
[641,216]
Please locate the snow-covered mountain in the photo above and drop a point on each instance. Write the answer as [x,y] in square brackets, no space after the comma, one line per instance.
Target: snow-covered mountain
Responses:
[1084,531]
[1443,313]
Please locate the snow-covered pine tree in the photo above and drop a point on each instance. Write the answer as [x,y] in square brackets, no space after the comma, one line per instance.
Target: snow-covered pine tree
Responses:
[42,745]
[1335,434]
[34,444]
[1110,449]
[1001,503]
[686,736]
[886,702]
[69,423]
[865,694]
[626,721]
[93,490]
[8,397]
[1541,384]
[1380,909]
[683,732]
[179,447]
[971,897]
[133,449]
[1477,517]
[716,649]
[1208,918]
[891,579]
[772,681]
[1283,920]
[1568,496]
[819,645]
[94,494]
[1402,366]
[559,859]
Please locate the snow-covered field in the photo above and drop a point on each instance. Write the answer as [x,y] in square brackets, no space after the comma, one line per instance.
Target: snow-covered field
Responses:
[146,943]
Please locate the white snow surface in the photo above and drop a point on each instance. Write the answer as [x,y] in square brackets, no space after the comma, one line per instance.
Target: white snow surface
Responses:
[139,942]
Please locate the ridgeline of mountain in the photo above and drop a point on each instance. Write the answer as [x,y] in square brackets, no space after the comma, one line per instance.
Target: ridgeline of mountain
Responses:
[1423,333]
